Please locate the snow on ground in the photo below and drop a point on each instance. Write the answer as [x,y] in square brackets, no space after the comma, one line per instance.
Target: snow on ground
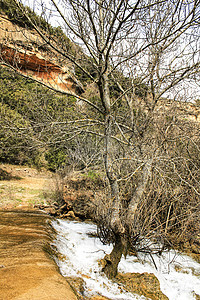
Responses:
[178,274]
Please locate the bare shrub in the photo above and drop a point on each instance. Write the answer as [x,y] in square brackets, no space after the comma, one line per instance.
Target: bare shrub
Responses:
[55,191]
[169,209]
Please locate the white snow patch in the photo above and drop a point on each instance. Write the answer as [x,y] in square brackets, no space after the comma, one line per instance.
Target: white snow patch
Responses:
[82,252]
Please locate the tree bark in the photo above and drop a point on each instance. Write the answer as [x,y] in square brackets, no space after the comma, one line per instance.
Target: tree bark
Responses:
[136,198]
[112,260]
[115,222]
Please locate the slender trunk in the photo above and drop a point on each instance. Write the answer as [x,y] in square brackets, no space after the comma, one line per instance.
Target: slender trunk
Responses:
[112,260]
[135,201]
[115,221]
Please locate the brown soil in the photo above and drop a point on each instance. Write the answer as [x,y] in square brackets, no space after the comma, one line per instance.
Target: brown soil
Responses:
[27,271]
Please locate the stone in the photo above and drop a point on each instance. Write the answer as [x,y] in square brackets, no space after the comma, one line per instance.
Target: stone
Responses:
[70,214]
[77,283]
[50,210]
[145,284]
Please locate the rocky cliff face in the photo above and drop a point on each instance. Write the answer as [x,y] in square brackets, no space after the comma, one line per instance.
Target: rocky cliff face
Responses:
[25,51]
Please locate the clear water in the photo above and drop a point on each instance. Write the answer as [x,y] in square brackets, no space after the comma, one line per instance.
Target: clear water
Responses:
[82,251]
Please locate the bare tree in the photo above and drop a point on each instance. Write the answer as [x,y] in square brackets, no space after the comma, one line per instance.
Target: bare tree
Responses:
[136,53]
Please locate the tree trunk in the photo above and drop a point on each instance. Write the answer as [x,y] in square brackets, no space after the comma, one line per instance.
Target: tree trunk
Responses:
[115,221]
[111,261]
[136,198]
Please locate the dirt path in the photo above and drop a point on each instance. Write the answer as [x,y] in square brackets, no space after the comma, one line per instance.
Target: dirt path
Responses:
[24,187]
[27,271]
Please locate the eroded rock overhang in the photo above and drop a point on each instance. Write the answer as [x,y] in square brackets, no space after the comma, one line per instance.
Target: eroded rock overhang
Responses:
[19,48]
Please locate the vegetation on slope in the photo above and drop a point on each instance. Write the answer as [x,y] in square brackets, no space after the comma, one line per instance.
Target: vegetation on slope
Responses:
[27,109]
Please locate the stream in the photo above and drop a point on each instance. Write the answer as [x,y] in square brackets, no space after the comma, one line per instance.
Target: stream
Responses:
[80,250]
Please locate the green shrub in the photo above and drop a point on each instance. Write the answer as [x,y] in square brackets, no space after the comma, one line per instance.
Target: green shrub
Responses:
[56,159]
